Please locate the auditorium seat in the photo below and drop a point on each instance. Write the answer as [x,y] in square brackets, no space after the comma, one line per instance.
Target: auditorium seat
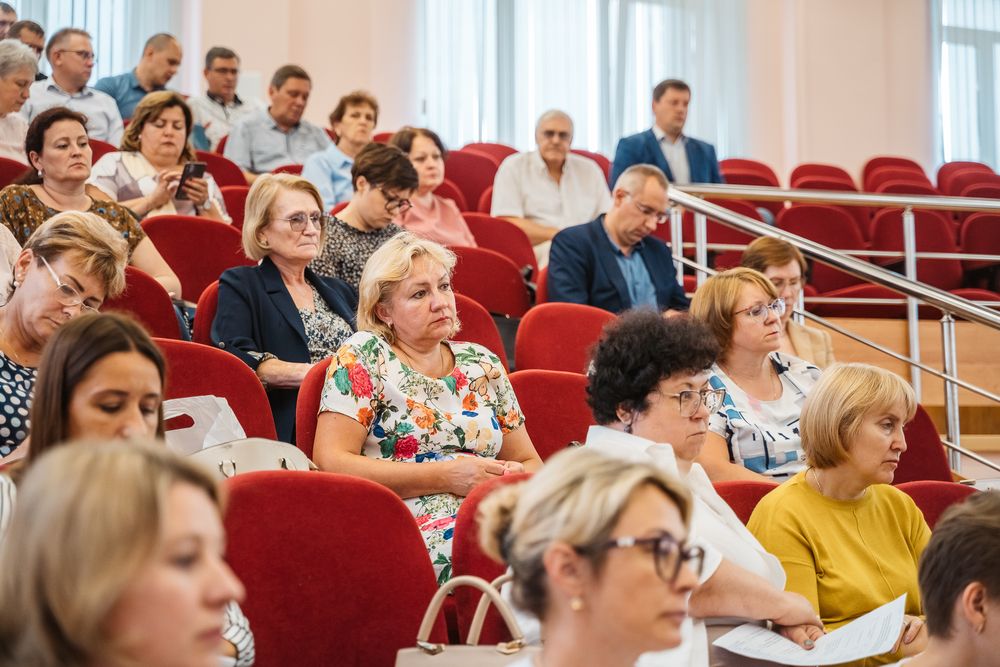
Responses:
[559,336]
[949,170]
[478,327]
[223,170]
[485,204]
[471,173]
[863,291]
[295,169]
[100,149]
[755,166]
[147,301]
[715,232]
[555,408]
[235,197]
[755,178]
[335,568]
[221,147]
[980,234]
[964,178]
[491,279]
[603,162]
[901,186]
[887,161]
[204,314]
[307,406]
[933,233]
[496,151]
[449,190]
[10,171]
[828,225]
[817,170]
[504,237]
[862,215]
[925,456]
[880,175]
[933,497]
[542,286]
[743,495]
[382,137]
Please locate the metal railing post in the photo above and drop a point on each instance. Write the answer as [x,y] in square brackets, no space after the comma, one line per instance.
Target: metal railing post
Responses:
[700,245]
[951,390]
[912,305]
[800,305]
[677,235]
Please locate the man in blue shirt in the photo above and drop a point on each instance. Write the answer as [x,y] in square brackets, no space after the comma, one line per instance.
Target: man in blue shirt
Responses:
[614,262]
[161,58]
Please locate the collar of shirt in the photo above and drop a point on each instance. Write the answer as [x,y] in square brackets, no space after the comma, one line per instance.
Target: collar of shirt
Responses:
[218,100]
[661,136]
[54,87]
[274,124]
[133,82]
[614,245]
[540,166]
[338,156]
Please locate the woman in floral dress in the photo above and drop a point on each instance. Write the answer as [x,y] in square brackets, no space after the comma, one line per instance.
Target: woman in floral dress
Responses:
[400,392]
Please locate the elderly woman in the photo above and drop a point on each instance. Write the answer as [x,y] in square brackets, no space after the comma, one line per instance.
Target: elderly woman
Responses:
[598,550]
[960,585]
[279,316]
[146,585]
[146,173]
[59,150]
[406,407]
[102,377]
[430,216]
[69,266]
[18,65]
[649,392]
[754,434]
[850,542]
[784,266]
[383,180]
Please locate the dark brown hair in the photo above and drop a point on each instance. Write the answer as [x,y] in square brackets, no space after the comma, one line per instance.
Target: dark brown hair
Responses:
[666,84]
[34,140]
[354,98]
[768,251]
[403,139]
[149,109]
[384,166]
[286,72]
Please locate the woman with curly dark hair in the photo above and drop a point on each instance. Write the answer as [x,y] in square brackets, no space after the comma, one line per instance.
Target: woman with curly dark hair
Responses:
[650,395]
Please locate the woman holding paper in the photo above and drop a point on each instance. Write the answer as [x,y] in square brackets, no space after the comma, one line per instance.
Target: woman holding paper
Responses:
[848,541]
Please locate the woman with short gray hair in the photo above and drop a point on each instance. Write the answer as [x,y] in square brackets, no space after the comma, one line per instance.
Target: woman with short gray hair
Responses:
[18,66]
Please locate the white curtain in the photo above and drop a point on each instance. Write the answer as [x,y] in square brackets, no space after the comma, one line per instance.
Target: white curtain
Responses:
[119,28]
[491,67]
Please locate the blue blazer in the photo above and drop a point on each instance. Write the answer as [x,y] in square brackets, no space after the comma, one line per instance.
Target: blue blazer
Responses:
[256,314]
[583,269]
[643,148]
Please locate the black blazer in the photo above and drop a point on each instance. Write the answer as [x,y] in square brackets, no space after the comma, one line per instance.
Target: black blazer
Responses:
[256,314]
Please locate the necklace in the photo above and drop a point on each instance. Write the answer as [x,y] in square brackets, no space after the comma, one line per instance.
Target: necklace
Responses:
[819,486]
[9,349]
[772,378]
[409,360]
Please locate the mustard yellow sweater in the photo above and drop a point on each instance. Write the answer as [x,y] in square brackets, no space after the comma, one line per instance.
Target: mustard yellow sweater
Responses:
[846,557]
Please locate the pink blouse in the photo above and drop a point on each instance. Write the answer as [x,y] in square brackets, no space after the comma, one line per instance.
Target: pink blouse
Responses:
[441,222]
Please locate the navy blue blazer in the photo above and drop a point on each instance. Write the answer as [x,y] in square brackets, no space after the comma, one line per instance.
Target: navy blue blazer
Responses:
[256,314]
[643,148]
[583,269]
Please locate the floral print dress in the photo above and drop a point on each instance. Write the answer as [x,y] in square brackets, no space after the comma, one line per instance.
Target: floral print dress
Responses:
[415,418]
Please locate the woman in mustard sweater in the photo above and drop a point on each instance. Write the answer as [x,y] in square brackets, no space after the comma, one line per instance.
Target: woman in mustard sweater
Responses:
[847,540]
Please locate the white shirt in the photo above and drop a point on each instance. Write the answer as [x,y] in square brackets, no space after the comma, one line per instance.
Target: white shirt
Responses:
[676,154]
[216,117]
[13,128]
[9,250]
[104,122]
[523,188]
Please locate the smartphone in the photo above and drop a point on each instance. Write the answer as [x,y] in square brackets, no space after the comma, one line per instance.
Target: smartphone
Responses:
[191,170]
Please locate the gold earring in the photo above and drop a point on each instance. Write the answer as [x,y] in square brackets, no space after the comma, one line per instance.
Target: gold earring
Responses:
[576,603]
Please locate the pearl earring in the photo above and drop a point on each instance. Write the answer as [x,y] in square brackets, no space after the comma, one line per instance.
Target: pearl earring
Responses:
[576,603]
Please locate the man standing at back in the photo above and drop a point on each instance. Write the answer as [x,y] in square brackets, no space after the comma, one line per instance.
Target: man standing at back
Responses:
[682,158]
[161,58]
[220,107]
[71,56]
[277,136]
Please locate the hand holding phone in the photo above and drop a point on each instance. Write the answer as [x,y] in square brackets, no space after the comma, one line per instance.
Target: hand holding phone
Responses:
[191,170]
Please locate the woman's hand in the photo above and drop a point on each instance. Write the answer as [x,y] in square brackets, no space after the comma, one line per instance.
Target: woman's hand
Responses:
[795,610]
[166,185]
[512,467]
[196,190]
[467,472]
[913,638]
[803,635]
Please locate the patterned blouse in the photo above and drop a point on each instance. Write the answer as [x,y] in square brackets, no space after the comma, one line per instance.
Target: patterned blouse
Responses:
[325,330]
[346,250]
[415,418]
[23,212]
[16,385]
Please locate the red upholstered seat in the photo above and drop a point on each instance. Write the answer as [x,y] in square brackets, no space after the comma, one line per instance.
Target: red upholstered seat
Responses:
[924,457]
[335,569]
[468,558]
[715,232]
[208,304]
[742,164]
[502,236]
[101,148]
[735,176]
[555,408]
[449,190]
[743,495]
[934,497]
[558,336]
[494,150]
[307,406]
[542,286]
[905,186]
[235,197]
[485,204]
[10,171]
[831,226]
[478,327]
[295,169]
[221,147]
[809,170]
[198,250]
[887,161]
[881,175]
[963,179]
[382,137]
[491,279]
[602,161]
[194,369]
[949,170]
[862,215]
[471,172]
[223,170]
[933,232]
[147,301]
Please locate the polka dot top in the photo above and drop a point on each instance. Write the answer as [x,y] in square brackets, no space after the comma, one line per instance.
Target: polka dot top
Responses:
[16,385]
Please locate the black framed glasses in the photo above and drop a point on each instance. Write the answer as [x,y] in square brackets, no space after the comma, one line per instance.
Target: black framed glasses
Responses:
[668,554]
[649,212]
[689,401]
[395,205]
[759,312]
[85,55]
[298,221]
[67,295]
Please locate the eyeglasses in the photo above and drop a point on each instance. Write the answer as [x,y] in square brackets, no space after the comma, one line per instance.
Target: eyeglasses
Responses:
[67,295]
[668,554]
[689,401]
[394,205]
[759,312]
[661,217]
[298,221]
[553,134]
[85,55]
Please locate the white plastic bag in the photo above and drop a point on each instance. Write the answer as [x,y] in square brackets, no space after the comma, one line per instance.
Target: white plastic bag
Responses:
[214,423]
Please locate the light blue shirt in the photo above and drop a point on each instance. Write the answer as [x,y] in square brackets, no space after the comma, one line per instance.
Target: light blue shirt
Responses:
[330,172]
[125,90]
[641,290]
[258,145]
[103,120]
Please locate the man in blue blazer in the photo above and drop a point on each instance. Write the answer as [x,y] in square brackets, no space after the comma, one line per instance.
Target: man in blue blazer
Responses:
[683,159]
[613,262]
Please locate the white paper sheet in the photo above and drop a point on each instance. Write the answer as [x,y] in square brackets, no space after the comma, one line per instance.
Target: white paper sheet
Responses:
[872,634]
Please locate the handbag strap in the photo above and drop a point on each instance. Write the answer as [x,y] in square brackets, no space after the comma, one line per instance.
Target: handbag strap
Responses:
[476,627]
[434,608]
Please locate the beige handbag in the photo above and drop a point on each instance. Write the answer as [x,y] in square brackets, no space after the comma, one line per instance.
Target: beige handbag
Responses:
[465,655]
[250,455]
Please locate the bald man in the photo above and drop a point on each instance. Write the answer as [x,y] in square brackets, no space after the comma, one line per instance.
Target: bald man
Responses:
[550,189]
[161,58]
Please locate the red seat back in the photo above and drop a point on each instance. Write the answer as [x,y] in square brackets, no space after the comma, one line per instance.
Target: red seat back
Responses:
[743,164]
[491,279]
[11,170]
[449,190]
[559,336]
[307,406]
[933,233]
[504,237]
[816,170]
[478,327]
[980,234]
[200,370]
[223,170]
[485,201]
[235,197]
[542,286]
[288,169]
[471,172]
[965,178]
[862,215]
[204,314]
[198,250]
[830,226]
[743,495]
[147,301]
[497,152]
[553,424]
[745,177]
[933,497]
[887,161]
[603,162]
[101,148]
[949,169]
[906,187]
[382,137]
[221,147]
[886,173]
[467,557]
[715,232]
[924,457]
[335,569]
